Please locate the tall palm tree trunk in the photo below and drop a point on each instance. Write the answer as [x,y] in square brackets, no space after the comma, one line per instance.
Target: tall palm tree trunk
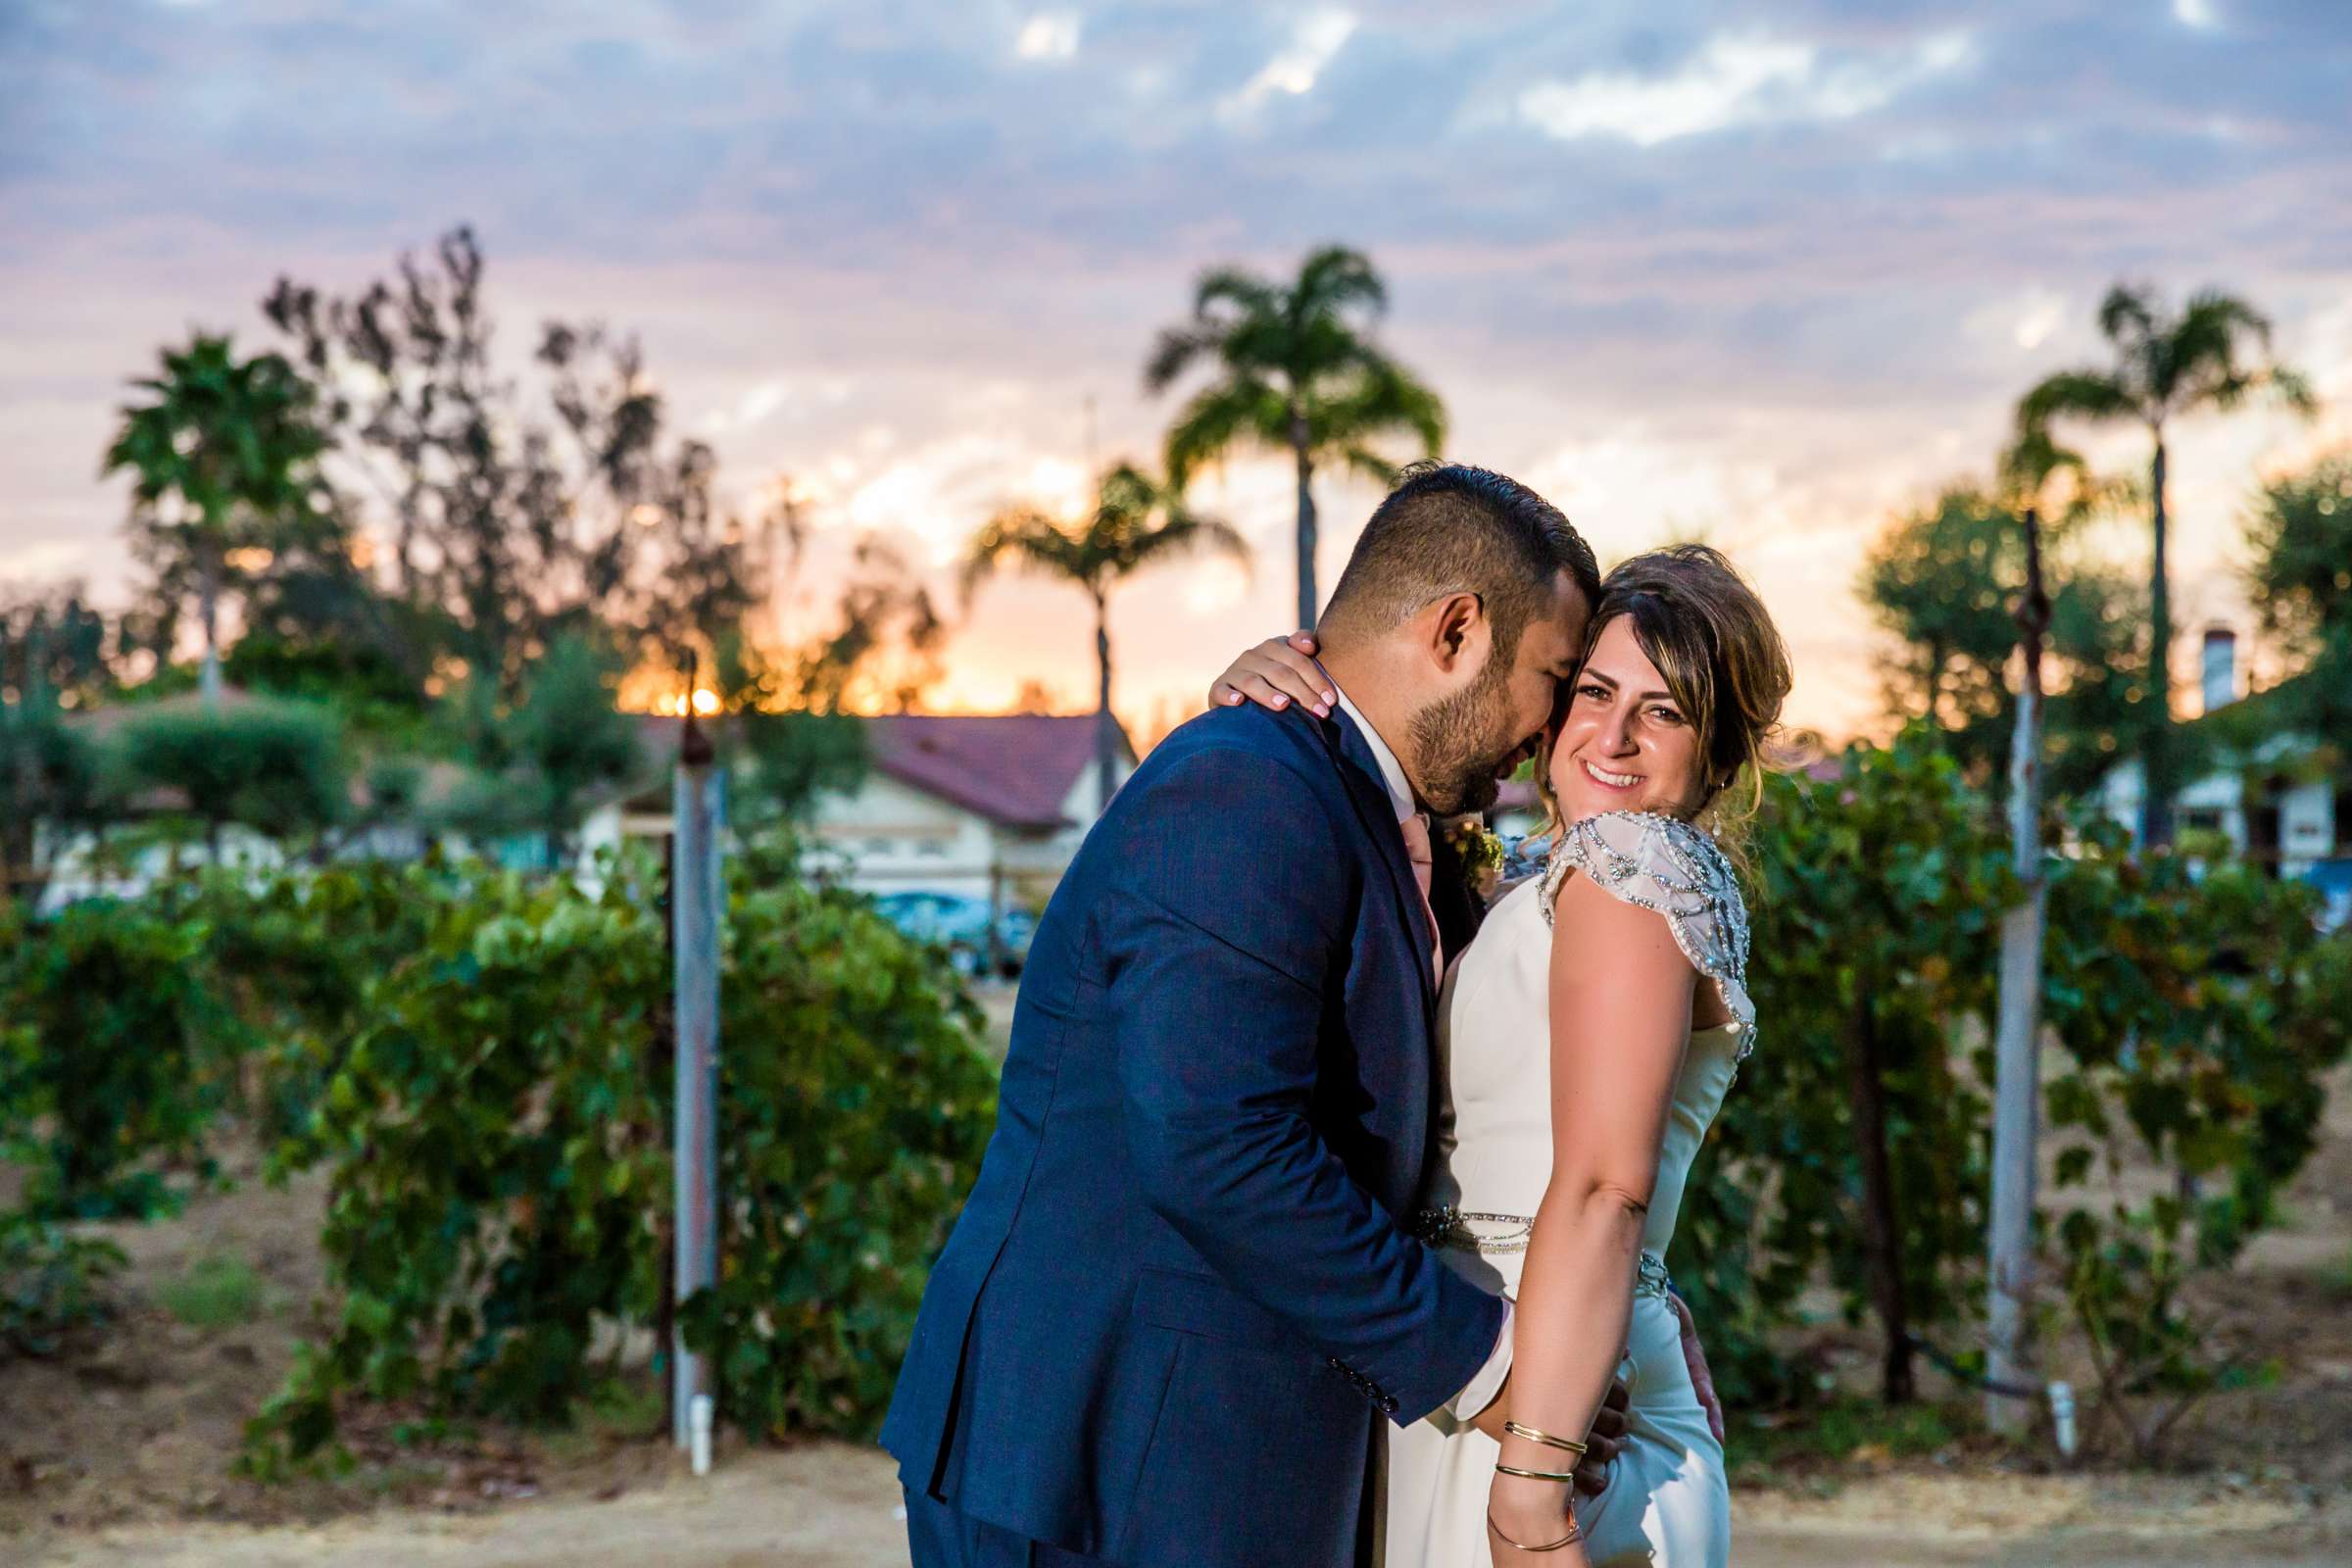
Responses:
[1106,751]
[1306,520]
[2156,765]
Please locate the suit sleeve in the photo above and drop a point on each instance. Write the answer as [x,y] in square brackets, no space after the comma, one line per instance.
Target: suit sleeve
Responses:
[1230,909]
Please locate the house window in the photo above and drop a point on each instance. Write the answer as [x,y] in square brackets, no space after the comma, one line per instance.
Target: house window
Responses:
[2202,819]
[880,845]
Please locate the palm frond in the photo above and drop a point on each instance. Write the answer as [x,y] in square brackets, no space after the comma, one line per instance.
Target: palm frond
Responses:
[1024,538]
[2029,468]
[1335,278]
[2128,315]
[1220,417]
[1246,292]
[1382,397]
[1187,533]
[2294,389]
[2084,394]
[1174,353]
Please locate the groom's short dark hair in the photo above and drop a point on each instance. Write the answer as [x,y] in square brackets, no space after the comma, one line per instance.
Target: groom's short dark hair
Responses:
[1446,528]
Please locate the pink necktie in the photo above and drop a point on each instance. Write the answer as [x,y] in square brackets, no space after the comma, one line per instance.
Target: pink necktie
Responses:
[1415,829]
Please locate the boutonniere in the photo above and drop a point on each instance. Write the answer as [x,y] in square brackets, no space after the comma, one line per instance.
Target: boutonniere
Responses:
[1479,853]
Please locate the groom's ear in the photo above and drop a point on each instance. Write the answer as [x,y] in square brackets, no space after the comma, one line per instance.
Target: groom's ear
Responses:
[1457,630]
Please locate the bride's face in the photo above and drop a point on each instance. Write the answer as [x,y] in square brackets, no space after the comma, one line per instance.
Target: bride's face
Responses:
[1624,743]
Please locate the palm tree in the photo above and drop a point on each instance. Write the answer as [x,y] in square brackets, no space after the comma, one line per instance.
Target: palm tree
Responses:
[1135,521]
[2163,365]
[1297,370]
[234,442]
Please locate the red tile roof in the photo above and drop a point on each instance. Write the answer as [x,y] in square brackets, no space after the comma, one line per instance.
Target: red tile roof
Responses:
[1016,769]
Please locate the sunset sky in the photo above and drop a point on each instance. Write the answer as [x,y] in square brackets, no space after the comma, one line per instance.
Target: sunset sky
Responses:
[1758,273]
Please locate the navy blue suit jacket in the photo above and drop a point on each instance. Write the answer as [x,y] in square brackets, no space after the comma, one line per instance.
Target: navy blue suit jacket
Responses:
[1178,1301]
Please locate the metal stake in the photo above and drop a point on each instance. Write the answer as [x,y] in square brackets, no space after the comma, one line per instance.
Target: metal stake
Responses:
[695,909]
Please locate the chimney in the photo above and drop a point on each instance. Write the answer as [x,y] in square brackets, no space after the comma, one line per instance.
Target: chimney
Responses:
[2221,667]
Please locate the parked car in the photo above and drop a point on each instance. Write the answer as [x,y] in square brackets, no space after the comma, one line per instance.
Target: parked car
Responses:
[960,923]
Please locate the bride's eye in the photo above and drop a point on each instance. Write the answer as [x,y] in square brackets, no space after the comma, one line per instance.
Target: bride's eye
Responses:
[1665,715]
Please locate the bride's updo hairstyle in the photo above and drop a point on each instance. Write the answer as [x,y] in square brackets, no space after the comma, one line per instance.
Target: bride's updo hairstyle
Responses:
[1712,640]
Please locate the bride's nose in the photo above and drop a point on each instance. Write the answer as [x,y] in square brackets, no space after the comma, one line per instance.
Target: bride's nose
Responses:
[1617,733]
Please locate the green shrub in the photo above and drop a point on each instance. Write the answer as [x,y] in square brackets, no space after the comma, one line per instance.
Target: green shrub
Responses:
[2201,1016]
[275,767]
[102,1067]
[854,1105]
[51,1284]
[498,1136]
[2196,1018]
[291,960]
[216,1292]
[1876,898]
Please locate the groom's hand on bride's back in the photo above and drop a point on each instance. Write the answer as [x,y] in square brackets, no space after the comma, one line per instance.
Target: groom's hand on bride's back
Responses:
[1601,1442]
[1694,1357]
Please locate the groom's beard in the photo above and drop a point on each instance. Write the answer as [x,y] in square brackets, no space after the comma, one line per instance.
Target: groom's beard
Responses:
[1461,740]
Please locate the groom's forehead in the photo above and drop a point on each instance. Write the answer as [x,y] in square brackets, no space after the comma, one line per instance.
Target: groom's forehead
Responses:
[1559,630]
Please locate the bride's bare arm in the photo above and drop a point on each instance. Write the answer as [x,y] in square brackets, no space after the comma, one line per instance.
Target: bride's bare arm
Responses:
[1621,994]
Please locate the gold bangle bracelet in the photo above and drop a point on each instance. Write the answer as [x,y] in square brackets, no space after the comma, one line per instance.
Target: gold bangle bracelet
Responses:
[1534,1475]
[1576,1533]
[1569,1444]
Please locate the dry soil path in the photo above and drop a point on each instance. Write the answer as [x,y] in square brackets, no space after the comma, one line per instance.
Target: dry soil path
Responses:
[832,1506]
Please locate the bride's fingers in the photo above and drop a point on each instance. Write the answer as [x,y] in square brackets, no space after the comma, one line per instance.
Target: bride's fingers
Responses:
[1274,676]
[1237,687]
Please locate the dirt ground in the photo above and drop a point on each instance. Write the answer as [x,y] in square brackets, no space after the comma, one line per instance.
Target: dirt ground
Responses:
[118,1452]
[830,1505]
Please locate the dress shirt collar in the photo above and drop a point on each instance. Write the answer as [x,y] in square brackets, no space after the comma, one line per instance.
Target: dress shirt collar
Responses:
[1392,771]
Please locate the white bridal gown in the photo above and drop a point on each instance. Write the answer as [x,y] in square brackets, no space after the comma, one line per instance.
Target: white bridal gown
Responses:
[1667,1503]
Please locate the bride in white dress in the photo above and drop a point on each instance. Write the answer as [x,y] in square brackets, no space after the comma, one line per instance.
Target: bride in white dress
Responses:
[1590,1035]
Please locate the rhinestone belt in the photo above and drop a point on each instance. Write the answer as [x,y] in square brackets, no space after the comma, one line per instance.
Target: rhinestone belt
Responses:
[1451,1227]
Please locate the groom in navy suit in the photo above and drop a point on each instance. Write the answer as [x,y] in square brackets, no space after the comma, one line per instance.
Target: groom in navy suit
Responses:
[1181,1297]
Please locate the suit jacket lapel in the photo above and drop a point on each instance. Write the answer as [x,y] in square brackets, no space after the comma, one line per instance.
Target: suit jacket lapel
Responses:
[1360,771]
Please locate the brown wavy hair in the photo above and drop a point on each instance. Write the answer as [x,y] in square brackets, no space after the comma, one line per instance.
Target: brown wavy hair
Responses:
[1701,623]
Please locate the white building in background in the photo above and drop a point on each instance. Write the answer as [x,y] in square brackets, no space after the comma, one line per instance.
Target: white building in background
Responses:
[2280,797]
[988,805]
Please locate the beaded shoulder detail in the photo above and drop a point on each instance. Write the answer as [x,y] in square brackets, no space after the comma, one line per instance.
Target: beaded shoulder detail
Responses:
[1668,865]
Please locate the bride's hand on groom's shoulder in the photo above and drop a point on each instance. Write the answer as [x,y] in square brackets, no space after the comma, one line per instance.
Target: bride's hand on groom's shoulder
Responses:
[1277,672]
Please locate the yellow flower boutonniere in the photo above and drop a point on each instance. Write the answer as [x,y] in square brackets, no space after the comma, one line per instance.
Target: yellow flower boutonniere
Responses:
[1481,855]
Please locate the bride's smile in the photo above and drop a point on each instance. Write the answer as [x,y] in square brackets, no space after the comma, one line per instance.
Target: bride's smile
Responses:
[1625,741]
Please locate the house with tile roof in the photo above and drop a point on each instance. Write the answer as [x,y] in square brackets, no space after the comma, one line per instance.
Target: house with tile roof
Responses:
[988,805]
[2280,797]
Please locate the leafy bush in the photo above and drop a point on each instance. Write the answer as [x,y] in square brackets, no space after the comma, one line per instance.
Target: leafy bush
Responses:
[214,1293]
[499,1140]
[291,960]
[854,1105]
[2200,1017]
[274,766]
[2195,1020]
[102,1065]
[1853,1143]
[51,1284]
